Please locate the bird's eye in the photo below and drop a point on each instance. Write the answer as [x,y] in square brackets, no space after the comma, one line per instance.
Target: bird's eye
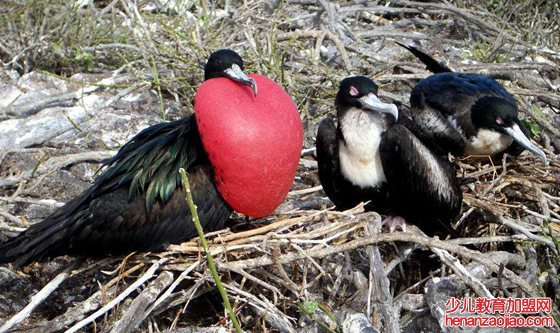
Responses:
[354,91]
[499,121]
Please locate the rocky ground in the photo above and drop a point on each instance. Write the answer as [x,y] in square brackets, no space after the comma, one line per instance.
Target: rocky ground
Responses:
[78,80]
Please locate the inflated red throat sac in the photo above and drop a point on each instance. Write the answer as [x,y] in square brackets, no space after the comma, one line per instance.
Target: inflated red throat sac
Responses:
[253,142]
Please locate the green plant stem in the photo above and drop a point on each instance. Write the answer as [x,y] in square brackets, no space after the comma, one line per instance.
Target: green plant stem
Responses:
[209,258]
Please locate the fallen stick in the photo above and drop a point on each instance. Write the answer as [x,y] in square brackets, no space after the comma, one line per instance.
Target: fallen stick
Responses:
[36,300]
[148,275]
[138,309]
[383,238]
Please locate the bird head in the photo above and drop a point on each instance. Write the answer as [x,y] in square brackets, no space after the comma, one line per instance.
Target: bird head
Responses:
[227,63]
[361,92]
[500,115]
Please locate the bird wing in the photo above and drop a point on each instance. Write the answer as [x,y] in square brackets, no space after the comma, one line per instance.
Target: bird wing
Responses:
[137,203]
[479,84]
[327,158]
[453,93]
[426,138]
[422,185]
[149,162]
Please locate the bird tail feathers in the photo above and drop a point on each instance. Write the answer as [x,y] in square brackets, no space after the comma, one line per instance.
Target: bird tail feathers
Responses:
[45,239]
[432,64]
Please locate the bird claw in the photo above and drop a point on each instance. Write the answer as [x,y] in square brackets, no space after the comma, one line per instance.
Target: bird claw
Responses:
[393,222]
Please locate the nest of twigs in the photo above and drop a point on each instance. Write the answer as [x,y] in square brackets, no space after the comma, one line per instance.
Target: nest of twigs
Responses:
[308,267]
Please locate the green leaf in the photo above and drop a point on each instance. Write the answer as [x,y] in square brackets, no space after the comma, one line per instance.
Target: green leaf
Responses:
[85,57]
[532,126]
[309,307]
[538,111]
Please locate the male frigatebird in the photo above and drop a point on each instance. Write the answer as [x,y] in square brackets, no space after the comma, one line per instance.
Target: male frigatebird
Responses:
[369,156]
[138,202]
[468,114]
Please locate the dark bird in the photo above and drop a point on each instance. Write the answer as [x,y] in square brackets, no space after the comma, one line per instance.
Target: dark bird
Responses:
[371,156]
[468,114]
[138,202]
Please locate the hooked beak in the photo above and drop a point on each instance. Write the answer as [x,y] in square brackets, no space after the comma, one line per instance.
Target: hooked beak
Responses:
[235,73]
[371,102]
[515,132]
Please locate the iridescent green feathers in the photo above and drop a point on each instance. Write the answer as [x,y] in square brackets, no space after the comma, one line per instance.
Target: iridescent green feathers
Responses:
[150,161]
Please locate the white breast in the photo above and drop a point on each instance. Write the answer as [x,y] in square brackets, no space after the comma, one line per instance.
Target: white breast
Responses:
[360,162]
[487,142]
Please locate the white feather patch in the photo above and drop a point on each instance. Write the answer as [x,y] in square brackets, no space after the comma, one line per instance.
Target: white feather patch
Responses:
[487,142]
[360,162]
[453,121]
[430,122]
[439,180]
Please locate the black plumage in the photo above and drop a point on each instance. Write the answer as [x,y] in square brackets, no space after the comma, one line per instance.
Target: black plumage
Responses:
[369,156]
[432,64]
[138,202]
[468,114]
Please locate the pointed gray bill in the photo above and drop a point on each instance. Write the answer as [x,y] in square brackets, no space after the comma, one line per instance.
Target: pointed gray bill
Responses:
[515,132]
[235,73]
[373,103]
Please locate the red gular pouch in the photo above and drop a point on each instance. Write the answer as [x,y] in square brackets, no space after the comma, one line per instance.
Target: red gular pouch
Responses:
[253,142]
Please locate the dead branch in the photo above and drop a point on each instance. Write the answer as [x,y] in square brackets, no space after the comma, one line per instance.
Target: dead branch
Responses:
[138,309]
[318,34]
[381,285]
[145,277]
[36,300]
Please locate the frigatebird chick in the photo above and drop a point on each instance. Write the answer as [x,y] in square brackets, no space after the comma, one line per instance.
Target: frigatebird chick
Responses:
[369,156]
[468,114]
[138,202]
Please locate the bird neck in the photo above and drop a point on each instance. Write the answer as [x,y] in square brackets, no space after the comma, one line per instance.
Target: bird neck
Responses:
[213,75]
